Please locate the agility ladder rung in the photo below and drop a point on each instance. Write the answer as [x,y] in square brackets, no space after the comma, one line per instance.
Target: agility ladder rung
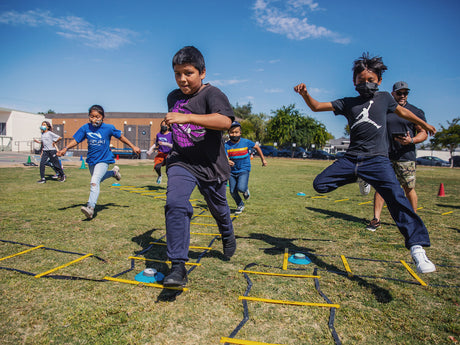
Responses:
[280,274]
[412,273]
[347,266]
[190,247]
[23,252]
[134,282]
[203,224]
[62,266]
[243,342]
[162,261]
[275,301]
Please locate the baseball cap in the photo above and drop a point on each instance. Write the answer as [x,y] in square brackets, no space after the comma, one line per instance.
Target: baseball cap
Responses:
[400,85]
[235,124]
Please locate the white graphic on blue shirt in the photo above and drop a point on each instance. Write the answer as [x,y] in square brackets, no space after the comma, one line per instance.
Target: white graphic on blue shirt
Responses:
[364,117]
[186,134]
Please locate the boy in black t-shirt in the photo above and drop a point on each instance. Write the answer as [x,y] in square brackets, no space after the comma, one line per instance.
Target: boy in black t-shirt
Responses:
[367,155]
[198,113]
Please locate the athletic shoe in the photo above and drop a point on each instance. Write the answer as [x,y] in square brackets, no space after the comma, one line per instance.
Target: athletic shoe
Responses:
[246,195]
[373,225]
[423,264]
[229,245]
[116,173]
[55,177]
[239,209]
[159,179]
[88,211]
[177,276]
[42,180]
[62,178]
[364,187]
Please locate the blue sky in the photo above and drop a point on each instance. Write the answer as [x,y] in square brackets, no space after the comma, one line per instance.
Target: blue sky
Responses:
[67,55]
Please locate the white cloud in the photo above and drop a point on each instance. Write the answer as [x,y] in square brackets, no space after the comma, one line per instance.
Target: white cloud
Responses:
[290,20]
[72,28]
[223,82]
[273,90]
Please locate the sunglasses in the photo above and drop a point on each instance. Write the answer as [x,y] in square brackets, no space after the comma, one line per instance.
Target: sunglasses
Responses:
[402,93]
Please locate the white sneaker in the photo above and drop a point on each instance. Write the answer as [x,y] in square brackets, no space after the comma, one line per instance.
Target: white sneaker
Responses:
[423,264]
[364,187]
[159,179]
[246,195]
[239,209]
[116,173]
[88,211]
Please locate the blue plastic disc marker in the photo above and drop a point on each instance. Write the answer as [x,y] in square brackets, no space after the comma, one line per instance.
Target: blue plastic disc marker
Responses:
[149,275]
[299,259]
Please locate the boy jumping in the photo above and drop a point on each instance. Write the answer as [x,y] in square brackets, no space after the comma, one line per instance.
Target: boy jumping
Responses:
[367,155]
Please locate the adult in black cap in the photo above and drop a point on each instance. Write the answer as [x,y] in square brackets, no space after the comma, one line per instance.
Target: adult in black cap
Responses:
[402,137]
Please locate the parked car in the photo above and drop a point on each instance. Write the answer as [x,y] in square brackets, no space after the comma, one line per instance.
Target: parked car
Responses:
[320,154]
[284,153]
[456,160]
[432,161]
[268,150]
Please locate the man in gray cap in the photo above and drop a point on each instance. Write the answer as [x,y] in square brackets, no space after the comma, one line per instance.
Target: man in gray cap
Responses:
[402,137]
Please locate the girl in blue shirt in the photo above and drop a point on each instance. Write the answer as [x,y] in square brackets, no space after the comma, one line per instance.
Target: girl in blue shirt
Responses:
[98,135]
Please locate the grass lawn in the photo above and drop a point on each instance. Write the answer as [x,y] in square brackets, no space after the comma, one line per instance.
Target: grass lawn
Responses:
[380,302]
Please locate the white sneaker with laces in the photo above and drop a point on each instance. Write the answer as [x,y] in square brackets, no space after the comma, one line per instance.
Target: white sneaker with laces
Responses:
[116,173]
[239,210]
[364,187]
[423,264]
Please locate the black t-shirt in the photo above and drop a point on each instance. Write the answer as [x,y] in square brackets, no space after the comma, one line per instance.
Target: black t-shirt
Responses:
[367,118]
[197,149]
[396,151]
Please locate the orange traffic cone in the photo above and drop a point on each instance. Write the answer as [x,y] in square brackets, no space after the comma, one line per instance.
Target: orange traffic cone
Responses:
[441,190]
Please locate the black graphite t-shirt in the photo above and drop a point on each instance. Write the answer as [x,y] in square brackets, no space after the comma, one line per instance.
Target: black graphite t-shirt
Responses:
[367,118]
[396,151]
[197,149]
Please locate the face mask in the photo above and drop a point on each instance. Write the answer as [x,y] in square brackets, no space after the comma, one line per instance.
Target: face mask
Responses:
[163,129]
[43,128]
[235,138]
[366,89]
[97,123]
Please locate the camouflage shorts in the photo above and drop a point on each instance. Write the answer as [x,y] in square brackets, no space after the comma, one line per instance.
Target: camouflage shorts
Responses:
[405,172]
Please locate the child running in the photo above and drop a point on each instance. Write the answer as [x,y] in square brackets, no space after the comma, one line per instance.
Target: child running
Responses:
[49,152]
[163,143]
[198,113]
[239,158]
[98,135]
[367,155]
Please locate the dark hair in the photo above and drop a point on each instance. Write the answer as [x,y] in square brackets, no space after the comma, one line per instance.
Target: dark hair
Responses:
[97,108]
[50,128]
[189,55]
[372,64]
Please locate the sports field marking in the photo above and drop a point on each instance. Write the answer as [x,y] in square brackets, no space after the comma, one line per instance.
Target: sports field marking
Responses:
[162,261]
[412,273]
[243,342]
[23,252]
[280,274]
[62,266]
[276,301]
[135,282]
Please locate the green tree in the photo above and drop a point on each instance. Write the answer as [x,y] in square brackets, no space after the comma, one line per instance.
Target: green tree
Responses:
[50,111]
[242,111]
[289,126]
[448,138]
[252,125]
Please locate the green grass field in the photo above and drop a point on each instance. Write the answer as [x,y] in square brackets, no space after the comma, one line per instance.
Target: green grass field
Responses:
[381,303]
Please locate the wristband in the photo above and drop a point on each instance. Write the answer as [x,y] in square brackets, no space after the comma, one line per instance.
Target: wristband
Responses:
[412,140]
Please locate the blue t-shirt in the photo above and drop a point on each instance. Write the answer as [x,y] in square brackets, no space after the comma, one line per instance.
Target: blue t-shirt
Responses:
[98,142]
[239,153]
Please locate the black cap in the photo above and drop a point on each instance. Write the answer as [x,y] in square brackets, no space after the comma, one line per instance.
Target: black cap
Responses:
[400,85]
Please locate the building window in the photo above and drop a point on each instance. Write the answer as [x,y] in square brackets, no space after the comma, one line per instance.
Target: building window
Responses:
[2,128]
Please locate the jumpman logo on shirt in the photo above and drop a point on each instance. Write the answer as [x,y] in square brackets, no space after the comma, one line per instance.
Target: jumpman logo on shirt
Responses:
[364,117]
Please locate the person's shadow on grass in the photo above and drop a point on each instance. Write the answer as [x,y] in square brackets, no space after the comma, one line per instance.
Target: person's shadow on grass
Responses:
[279,244]
[97,209]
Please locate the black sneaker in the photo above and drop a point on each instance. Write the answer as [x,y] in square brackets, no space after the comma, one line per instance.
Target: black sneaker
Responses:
[62,178]
[373,225]
[177,276]
[42,180]
[229,244]
[246,195]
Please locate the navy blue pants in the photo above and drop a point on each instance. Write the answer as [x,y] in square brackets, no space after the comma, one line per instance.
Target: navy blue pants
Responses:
[179,211]
[377,171]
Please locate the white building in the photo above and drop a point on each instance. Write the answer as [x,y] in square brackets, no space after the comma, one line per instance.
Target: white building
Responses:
[18,129]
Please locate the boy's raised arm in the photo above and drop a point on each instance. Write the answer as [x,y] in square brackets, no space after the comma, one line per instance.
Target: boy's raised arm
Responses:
[212,121]
[410,116]
[314,105]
